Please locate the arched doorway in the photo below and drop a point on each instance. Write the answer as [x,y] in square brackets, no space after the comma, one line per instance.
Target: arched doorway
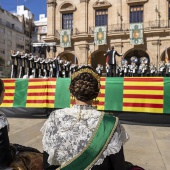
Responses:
[69,57]
[99,58]
[138,54]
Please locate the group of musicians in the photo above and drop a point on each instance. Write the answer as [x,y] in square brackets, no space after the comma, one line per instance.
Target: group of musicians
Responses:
[135,70]
[29,66]
[25,65]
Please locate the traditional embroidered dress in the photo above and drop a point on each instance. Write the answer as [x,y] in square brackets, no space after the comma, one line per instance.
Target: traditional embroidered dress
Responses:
[81,138]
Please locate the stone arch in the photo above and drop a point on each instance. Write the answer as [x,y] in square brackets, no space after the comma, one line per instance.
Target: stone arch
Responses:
[138,53]
[67,6]
[98,58]
[69,56]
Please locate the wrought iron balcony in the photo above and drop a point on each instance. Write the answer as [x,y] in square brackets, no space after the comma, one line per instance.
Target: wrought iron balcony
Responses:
[124,27]
[158,24]
[74,31]
[121,28]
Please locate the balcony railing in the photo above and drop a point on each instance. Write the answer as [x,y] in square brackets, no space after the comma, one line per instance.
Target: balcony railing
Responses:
[158,24]
[74,31]
[151,25]
[122,27]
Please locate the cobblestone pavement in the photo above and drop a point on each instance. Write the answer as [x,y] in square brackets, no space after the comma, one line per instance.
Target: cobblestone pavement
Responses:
[148,146]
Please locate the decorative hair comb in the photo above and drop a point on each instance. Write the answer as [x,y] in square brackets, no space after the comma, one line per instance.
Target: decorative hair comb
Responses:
[86,70]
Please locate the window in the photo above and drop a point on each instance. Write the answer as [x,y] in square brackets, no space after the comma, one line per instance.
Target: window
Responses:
[67,21]
[8,24]
[136,13]
[44,29]
[101,17]
[2,30]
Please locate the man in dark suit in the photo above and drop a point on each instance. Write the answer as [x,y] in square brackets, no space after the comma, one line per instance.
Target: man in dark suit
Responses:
[111,59]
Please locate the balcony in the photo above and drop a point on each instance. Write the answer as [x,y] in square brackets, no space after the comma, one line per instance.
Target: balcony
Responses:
[121,28]
[158,24]
[74,32]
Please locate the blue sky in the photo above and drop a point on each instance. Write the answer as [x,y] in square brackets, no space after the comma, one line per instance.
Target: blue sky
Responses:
[35,6]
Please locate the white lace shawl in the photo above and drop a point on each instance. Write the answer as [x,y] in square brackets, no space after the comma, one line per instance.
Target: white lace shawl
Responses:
[3,120]
[67,131]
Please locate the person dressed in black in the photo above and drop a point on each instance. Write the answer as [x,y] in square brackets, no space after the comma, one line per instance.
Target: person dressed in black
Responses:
[111,59]
[15,156]
[14,63]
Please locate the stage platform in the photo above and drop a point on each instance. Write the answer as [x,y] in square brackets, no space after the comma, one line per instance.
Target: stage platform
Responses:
[133,99]
[127,94]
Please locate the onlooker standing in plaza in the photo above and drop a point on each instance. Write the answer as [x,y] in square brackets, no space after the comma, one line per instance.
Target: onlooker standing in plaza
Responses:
[15,156]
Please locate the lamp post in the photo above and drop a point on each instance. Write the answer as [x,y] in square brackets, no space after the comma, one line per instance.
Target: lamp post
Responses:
[159,15]
[121,19]
[158,44]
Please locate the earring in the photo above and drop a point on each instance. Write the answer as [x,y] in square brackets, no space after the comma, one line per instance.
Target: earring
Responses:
[72,101]
[95,102]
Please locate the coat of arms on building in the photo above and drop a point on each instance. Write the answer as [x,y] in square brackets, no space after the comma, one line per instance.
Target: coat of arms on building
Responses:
[100,35]
[65,38]
[136,33]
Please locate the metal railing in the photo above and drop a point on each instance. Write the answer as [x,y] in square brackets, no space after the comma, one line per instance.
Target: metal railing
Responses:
[74,31]
[122,27]
[157,24]
[151,25]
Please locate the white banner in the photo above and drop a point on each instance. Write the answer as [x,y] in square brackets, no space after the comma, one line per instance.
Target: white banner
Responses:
[100,35]
[65,38]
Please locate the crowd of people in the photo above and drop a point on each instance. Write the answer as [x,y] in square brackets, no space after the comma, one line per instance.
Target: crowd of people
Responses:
[30,66]
[136,70]
[25,65]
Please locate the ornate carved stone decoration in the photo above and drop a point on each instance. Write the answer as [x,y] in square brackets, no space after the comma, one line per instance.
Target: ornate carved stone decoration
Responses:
[136,1]
[67,6]
[51,3]
[101,4]
[84,1]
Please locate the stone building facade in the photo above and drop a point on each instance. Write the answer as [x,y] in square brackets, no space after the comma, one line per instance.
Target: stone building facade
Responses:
[81,16]
[15,33]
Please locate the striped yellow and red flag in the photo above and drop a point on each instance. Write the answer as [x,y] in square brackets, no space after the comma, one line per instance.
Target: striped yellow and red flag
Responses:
[51,85]
[37,93]
[143,95]
[100,100]
[9,85]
